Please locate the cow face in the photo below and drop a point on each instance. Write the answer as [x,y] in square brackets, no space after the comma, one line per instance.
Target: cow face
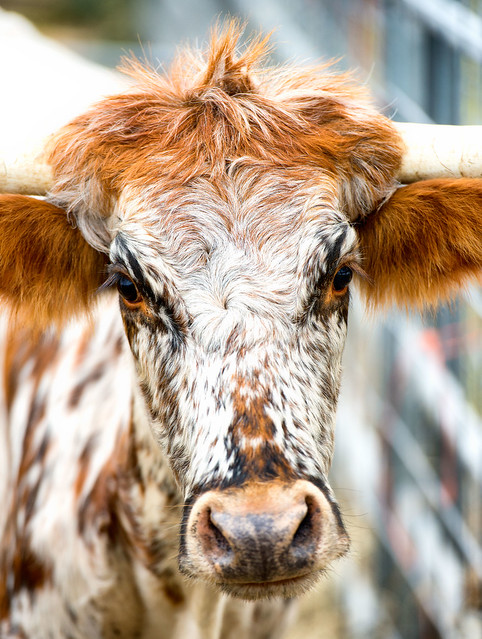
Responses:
[224,198]
[234,297]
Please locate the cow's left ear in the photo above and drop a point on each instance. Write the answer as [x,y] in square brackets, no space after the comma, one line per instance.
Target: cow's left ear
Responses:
[48,272]
[423,244]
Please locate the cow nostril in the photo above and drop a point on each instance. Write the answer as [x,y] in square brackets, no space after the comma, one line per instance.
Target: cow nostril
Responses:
[304,533]
[218,542]
[260,534]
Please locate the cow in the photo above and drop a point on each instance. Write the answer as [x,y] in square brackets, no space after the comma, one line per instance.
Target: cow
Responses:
[174,315]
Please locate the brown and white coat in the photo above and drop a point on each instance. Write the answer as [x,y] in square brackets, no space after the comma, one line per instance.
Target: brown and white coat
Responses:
[167,461]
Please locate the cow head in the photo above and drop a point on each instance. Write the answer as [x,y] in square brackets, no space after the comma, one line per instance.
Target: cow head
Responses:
[235,301]
[231,207]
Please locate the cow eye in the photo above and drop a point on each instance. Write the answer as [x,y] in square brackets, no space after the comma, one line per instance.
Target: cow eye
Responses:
[342,279]
[128,290]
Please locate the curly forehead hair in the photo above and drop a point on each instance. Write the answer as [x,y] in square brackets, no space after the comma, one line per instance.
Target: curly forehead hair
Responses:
[218,105]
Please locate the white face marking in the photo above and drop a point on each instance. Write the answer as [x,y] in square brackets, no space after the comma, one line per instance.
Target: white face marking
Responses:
[237,349]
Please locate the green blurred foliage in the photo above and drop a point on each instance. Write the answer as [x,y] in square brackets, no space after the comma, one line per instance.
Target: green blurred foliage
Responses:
[109,19]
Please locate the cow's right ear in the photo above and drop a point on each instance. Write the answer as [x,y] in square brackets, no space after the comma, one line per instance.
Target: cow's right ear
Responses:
[48,272]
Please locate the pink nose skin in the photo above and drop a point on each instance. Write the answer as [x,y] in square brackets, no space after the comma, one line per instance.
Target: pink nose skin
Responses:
[263,539]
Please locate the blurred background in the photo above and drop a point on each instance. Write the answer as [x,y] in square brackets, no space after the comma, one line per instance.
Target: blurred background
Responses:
[408,462]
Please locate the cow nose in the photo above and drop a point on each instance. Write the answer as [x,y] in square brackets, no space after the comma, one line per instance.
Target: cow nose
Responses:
[263,533]
[258,546]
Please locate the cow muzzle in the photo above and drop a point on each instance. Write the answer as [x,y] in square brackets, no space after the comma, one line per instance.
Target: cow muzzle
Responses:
[262,539]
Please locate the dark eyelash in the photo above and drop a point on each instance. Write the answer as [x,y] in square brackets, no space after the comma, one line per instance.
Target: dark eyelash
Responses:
[116,272]
[114,277]
[358,270]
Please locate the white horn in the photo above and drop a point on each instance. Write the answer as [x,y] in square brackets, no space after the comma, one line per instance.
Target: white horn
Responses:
[44,86]
[27,173]
[440,151]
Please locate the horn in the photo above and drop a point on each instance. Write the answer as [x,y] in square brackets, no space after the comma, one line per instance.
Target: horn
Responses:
[438,151]
[431,151]
[44,86]
[27,173]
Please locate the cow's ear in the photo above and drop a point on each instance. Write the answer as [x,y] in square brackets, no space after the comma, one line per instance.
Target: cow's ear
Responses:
[48,272]
[424,243]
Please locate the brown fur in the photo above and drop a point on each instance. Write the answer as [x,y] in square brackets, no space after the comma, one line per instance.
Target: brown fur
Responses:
[214,107]
[424,243]
[47,269]
[20,347]
[28,570]
[264,458]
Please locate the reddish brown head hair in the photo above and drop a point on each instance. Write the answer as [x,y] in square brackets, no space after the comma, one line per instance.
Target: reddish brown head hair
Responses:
[220,105]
